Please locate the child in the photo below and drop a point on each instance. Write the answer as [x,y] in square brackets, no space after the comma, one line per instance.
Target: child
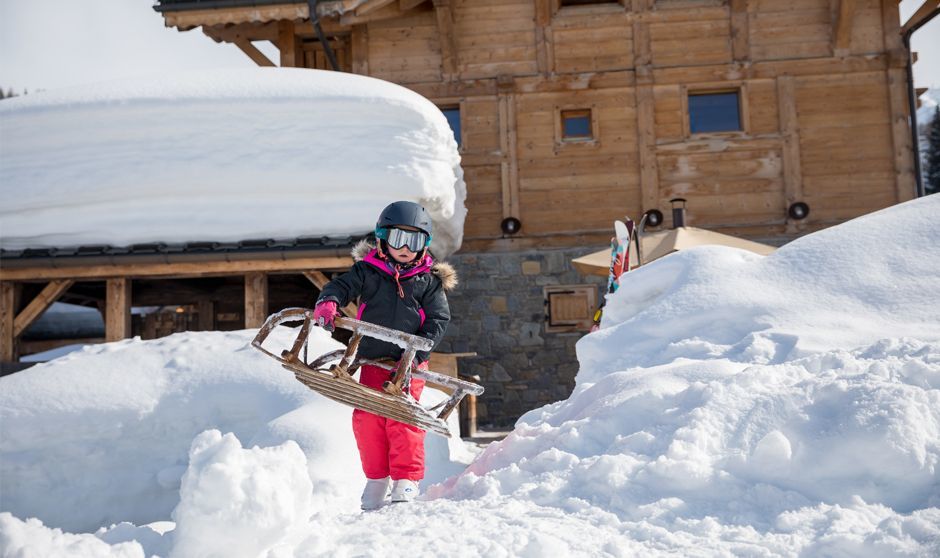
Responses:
[401,287]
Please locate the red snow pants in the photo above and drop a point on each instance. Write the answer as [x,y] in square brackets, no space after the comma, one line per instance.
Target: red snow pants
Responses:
[388,447]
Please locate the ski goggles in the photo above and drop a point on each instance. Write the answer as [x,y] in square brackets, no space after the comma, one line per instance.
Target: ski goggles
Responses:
[400,238]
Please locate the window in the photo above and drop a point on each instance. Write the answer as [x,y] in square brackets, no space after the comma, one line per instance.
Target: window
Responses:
[576,125]
[714,112]
[453,118]
[570,308]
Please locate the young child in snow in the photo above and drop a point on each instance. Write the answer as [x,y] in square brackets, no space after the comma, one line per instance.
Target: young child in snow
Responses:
[400,286]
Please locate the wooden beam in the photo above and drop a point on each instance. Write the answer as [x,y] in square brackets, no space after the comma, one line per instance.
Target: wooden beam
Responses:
[740,32]
[252,51]
[190,19]
[359,47]
[371,6]
[177,269]
[925,9]
[40,304]
[905,181]
[292,55]
[320,280]
[256,299]
[646,145]
[790,129]
[117,322]
[896,78]
[544,52]
[7,318]
[405,5]
[206,310]
[842,28]
[447,39]
[509,166]
[386,12]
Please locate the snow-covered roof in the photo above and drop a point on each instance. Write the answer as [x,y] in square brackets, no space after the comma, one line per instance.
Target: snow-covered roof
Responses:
[223,156]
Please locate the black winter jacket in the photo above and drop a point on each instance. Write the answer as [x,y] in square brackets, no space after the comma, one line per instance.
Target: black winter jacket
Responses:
[422,310]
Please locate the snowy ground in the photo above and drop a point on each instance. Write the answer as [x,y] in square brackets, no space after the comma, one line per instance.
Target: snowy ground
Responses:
[731,404]
[224,156]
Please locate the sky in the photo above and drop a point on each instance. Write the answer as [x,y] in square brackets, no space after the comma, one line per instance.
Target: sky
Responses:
[46,44]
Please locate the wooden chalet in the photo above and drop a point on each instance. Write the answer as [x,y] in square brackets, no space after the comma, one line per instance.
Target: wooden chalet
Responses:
[773,119]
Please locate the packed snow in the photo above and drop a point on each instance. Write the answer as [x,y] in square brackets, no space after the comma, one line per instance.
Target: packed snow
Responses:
[731,404]
[224,156]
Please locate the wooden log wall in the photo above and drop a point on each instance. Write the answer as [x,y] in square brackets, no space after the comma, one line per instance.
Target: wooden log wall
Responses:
[822,104]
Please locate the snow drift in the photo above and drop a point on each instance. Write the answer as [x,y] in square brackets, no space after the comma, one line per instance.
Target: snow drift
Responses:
[223,156]
[730,405]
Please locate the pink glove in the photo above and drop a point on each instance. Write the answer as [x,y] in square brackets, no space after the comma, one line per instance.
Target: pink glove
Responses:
[324,314]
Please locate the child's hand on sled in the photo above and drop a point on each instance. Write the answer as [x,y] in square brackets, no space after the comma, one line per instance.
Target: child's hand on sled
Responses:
[324,314]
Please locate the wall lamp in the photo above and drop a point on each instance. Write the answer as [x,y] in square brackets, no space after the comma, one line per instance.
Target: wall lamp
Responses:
[510,225]
[798,211]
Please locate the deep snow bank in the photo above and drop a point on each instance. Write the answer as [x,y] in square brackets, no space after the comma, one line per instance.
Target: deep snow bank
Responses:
[751,390]
[103,435]
[224,155]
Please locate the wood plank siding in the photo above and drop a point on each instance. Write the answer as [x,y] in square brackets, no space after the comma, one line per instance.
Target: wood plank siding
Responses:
[820,116]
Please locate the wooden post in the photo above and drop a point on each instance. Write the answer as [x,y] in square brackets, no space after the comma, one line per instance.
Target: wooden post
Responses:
[645,109]
[507,144]
[790,130]
[740,39]
[7,316]
[206,310]
[292,55]
[842,28]
[117,323]
[256,299]
[905,181]
[359,46]
[448,41]
[543,36]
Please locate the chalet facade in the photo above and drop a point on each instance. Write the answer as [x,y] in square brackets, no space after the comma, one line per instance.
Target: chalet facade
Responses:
[773,119]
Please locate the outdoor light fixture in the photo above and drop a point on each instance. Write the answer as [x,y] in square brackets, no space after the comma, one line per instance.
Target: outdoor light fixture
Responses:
[652,218]
[510,225]
[798,211]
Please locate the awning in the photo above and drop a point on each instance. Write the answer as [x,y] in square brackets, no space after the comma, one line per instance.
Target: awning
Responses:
[658,244]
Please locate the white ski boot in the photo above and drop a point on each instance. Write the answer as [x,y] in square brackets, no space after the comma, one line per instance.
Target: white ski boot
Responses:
[375,494]
[404,490]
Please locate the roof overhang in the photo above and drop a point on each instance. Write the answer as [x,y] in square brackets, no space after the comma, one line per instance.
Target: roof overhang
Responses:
[191,259]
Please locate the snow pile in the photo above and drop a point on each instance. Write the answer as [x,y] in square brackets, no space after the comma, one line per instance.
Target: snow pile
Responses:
[104,434]
[730,405]
[223,156]
[220,514]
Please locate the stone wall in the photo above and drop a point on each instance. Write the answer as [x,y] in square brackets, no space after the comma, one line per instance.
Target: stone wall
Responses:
[499,313]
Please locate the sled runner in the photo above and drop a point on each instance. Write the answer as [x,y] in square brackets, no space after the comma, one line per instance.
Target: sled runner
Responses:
[331,374]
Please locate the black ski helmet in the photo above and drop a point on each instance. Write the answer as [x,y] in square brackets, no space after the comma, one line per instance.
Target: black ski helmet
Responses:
[405,213]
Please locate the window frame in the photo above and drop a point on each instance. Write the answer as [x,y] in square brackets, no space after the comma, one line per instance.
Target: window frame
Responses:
[711,89]
[562,142]
[458,106]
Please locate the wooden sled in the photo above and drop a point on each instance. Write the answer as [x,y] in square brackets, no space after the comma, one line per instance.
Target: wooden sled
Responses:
[331,374]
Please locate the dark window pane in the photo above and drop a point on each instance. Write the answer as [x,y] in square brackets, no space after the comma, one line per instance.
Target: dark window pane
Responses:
[714,112]
[453,118]
[576,124]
